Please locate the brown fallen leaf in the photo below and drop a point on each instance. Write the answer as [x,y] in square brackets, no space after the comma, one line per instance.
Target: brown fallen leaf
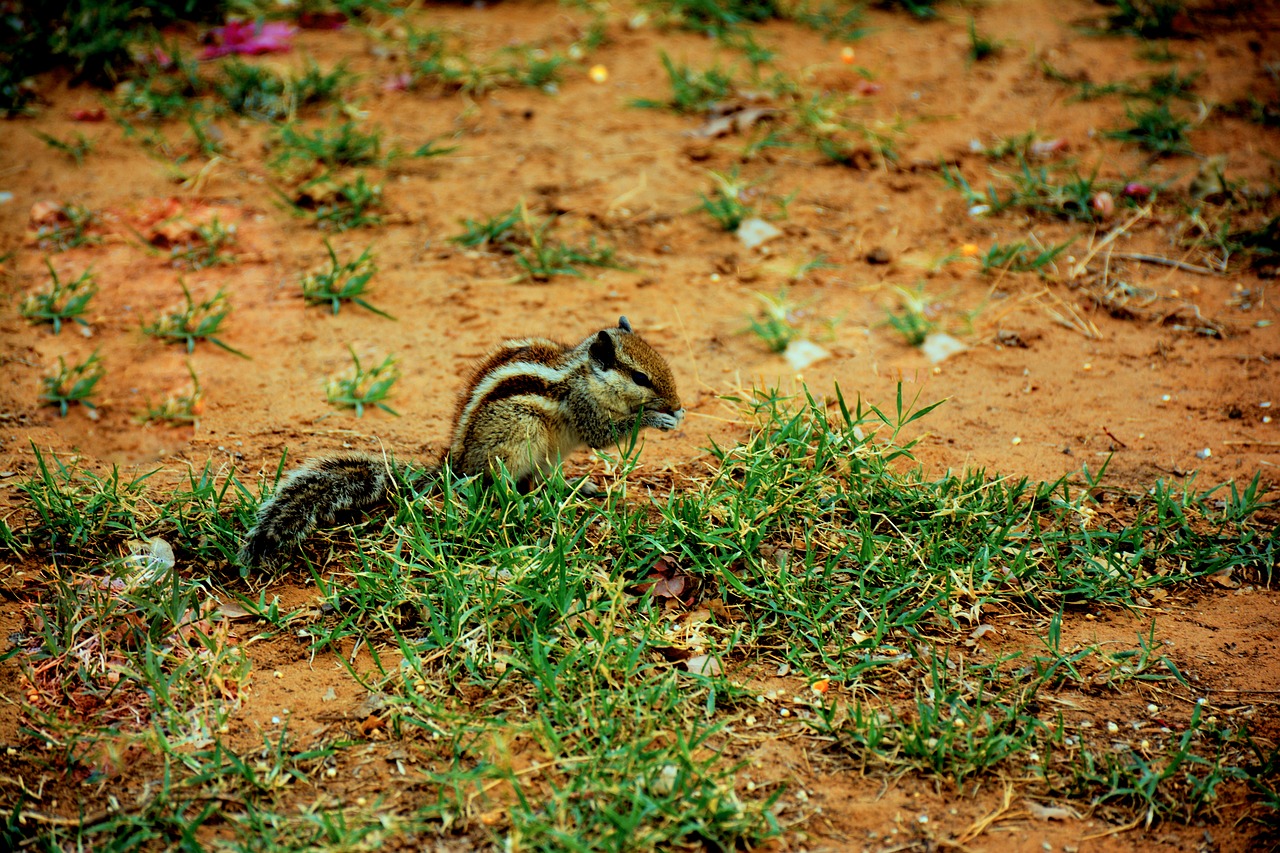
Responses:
[1044,812]
[666,580]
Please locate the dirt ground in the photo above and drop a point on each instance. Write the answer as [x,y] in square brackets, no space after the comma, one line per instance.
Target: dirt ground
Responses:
[1178,381]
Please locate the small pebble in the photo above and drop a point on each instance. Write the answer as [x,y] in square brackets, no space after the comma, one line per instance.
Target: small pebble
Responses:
[1204,454]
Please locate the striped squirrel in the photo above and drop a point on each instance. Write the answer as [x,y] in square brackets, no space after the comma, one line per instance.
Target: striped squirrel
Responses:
[528,404]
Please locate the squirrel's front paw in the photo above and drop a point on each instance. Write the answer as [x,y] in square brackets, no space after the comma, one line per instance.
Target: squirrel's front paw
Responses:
[664,421]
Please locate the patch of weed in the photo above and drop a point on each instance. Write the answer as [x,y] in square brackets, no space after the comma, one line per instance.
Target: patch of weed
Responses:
[344,145]
[528,241]
[725,204]
[1020,257]
[981,47]
[180,408]
[924,9]
[68,230]
[342,282]
[717,17]
[364,386]
[912,319]
[1155,129]
[256,91]
[76,147]
[194,322]
[339,205]
[691,91]
[204,245]
[1054,190]
[1148,19]
[775,325]
[62,301]
[73,384]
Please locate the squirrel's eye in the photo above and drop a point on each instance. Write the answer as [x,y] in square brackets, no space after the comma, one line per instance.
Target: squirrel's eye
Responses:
[641,379]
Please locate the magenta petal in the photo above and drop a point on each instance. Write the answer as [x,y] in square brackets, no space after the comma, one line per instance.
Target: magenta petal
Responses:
[250,38]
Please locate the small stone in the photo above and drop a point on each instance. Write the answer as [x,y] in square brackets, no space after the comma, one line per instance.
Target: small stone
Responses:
[939,346]
[755,232]
[879,255]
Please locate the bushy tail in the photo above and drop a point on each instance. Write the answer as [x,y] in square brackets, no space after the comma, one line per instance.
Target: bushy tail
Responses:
[312,494]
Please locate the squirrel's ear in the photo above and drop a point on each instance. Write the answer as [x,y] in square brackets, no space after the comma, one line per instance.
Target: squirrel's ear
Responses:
[623,324]
[602,350]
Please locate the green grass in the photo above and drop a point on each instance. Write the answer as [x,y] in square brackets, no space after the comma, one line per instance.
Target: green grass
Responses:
[180,408]
[75,147]
[776,324]
[981,47]
[717,17]
[344,145]
[1020,257]
[338,205]
[730,21]
[1155,129]
[155,93]
[258,92]
[691,91]
[74,383]
[342,282]
[440,60]
[911,320]
[925,9]
[725,204]
[94,41]
[364,386]
[528,241]
[204,246]
[535,691]
[68,230]
[1147,19]
[194,322]
[62,301]
[1053,190]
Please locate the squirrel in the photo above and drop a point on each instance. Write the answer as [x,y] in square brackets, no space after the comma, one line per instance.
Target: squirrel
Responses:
[528,404]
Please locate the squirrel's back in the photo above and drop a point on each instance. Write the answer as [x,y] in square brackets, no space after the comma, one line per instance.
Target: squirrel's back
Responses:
[311,494]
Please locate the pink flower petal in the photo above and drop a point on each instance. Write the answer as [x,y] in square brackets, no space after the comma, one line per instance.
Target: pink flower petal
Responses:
[398,82]
[250,37]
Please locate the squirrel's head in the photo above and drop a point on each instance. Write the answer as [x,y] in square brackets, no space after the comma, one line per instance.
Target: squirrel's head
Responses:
[632,377]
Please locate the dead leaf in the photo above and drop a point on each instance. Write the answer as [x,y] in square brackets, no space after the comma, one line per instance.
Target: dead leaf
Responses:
[981,631]
[232,612]
[724,119]
[1042,812]
[666,580]
[47,212]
